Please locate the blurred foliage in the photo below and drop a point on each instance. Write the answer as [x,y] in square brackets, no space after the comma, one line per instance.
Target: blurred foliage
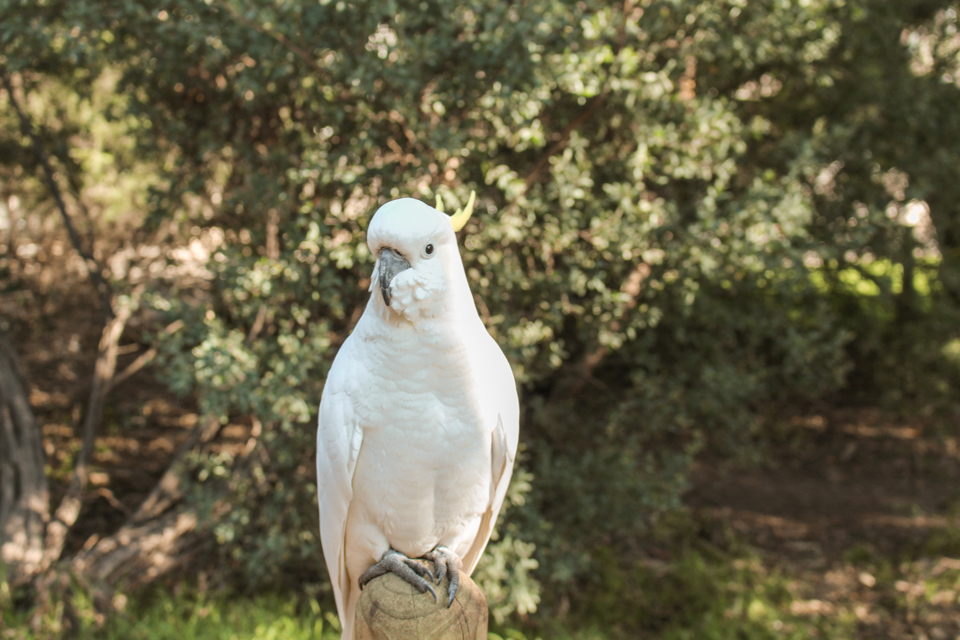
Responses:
[689,214]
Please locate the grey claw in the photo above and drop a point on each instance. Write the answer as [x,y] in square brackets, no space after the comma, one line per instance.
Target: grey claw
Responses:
[422,570]
[410,570]
[446,561]
[432,592]
[454,585]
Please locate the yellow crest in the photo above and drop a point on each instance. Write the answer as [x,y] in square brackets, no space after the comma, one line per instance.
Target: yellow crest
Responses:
[460,218]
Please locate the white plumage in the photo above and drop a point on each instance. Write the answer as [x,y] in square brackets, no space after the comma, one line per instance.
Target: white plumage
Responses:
[419,415]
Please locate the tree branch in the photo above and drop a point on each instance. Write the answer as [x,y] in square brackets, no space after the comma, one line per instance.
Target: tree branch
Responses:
[168,490]
[104,290]
[142,360]
[69,509]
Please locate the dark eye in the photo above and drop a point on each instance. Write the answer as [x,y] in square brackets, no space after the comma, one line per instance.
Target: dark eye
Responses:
[428,250]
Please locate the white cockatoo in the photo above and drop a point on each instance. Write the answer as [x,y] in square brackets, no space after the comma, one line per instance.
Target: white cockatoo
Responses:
[418,419]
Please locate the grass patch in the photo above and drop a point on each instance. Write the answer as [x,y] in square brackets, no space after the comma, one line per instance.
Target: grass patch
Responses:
[184,615]
[193,616]
[202,618]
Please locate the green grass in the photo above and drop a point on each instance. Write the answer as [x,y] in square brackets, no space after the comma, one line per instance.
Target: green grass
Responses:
[196,617]
[182,615]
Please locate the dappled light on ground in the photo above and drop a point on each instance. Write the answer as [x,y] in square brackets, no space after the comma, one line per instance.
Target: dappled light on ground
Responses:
[859,513]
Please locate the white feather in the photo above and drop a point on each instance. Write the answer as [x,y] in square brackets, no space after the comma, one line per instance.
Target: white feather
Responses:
[419,419]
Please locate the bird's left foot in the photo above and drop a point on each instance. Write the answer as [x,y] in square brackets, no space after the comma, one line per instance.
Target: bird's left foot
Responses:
[446,561]
[410,570]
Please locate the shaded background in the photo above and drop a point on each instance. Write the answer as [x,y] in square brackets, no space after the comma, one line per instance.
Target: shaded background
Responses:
[719,242]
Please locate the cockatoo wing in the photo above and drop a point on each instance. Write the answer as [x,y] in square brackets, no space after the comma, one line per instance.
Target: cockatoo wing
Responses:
[339,437]
[504,439]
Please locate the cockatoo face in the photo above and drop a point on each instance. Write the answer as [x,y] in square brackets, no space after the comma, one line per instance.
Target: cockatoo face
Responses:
[416,251]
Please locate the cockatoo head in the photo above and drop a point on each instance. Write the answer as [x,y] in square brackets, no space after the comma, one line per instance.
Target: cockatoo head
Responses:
[418,273]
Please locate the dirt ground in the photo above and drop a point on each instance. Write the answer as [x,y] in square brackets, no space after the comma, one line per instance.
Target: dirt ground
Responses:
[860,510]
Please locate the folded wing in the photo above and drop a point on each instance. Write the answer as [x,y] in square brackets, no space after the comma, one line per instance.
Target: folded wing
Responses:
[503,450]
[339,438]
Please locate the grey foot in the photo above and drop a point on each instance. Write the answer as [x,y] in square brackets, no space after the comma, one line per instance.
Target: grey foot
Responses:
[410,570]
[446,561]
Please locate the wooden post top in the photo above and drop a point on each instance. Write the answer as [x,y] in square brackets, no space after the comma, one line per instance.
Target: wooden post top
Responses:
[392,609]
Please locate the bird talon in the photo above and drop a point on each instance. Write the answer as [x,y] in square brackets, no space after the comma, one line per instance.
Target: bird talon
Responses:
[420,569]
[454,585]
[411,571]
[446,561]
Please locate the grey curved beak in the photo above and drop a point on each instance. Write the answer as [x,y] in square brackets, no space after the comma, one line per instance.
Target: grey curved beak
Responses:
[391,263]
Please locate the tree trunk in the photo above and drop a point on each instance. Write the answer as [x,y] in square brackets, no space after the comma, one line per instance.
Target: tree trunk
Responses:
[140,552]
[24,496]
[69,509]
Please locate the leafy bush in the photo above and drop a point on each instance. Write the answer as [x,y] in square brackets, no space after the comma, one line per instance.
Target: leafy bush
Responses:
[669,196]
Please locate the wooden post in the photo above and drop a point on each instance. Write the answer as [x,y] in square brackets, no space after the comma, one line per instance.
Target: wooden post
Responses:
[392,609]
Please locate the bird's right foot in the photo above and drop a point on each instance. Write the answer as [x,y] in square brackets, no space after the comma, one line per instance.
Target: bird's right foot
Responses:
[412,571]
